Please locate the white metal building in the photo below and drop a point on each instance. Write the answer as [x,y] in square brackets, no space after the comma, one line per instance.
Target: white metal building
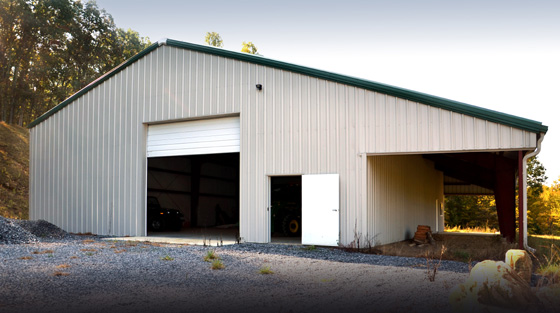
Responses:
[373,160]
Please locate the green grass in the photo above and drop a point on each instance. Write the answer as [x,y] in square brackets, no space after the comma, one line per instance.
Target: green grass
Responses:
[265,270]
[217,264]
[309,248]
[167,258]
[210,255]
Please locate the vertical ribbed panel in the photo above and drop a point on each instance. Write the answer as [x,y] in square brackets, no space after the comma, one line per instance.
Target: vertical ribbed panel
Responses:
[402,194]
[88,171]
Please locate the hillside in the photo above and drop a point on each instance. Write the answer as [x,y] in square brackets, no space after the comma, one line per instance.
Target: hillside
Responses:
[14,171]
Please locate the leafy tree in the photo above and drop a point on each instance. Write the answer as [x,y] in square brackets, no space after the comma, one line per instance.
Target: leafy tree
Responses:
[49,49]
[214,39]
[543,215]
[535,175]
[471,211]
[249,47]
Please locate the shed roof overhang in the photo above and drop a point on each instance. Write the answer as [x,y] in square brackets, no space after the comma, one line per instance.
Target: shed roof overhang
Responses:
[446,104]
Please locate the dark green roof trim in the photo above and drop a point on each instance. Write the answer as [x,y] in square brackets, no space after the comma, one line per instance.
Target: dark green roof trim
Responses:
[93,84]
[446,104]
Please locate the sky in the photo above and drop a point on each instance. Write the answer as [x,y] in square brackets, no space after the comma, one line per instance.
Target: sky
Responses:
[503,55]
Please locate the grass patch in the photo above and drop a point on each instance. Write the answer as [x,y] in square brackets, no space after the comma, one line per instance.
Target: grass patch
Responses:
[217,264]
[265,270]
[309,248]
[167,258]
[210,255]
[459,229]
[458,247]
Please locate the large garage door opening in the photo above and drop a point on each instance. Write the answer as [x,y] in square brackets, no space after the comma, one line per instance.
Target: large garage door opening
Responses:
[196,194]
[193,178]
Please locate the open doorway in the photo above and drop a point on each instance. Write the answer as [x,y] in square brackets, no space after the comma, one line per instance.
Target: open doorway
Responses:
[286,204]
[194,195]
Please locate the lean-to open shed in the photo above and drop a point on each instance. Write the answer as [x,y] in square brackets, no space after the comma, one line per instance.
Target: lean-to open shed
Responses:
[370,159]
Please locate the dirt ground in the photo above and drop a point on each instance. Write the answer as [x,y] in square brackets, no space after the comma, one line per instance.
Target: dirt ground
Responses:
[456,246]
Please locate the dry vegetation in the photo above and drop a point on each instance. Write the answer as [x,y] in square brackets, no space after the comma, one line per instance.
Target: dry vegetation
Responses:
[474,246]
[458,247]
[14,171]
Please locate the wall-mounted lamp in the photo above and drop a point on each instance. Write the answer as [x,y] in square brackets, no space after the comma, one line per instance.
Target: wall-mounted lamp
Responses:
[259,87]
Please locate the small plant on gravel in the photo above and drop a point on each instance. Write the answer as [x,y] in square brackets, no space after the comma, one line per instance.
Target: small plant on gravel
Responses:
[167,258]
[309,248]
[432,266]
[265,270]
[90,253]
[60,274]
[210,255]
[217,264]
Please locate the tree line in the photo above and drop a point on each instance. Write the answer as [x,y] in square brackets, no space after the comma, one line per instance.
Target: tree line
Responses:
[543,206]
[50,49]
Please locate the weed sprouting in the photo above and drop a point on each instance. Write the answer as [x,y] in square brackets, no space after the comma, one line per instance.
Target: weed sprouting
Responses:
[217,264]
[167,258]
[432,266]
[210,255]
[309,248]
[265,270]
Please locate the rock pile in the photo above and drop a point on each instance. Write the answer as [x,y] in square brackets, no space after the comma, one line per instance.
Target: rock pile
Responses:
[42,229]
[12,233]
[22,231]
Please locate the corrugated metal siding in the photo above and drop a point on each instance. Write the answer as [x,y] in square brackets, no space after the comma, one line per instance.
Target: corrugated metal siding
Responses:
[402,193]
[90,158]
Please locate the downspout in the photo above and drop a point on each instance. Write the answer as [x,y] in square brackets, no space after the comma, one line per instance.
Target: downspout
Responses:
[525,158]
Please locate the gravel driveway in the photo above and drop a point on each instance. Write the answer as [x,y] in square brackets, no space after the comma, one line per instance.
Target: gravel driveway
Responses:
[87,274]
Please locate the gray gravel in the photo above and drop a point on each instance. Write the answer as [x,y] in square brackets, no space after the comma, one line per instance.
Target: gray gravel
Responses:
[97,275]
[12,233]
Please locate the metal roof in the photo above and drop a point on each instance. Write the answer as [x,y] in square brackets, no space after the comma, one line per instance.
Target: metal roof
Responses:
[446,104]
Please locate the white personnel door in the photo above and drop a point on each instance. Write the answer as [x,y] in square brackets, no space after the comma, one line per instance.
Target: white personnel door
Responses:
[320,209]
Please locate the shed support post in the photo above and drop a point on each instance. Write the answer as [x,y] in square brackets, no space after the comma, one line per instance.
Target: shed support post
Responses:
[520,196]
[504,194]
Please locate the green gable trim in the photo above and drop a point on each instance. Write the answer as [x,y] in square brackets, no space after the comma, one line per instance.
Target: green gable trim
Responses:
[446,104]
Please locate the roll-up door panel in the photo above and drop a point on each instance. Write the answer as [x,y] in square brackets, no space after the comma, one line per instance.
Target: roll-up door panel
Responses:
[220,135]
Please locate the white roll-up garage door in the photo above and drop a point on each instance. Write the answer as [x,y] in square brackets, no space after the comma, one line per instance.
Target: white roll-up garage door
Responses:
[219,135]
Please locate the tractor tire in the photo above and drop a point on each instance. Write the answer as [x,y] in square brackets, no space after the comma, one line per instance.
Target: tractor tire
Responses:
[291,226]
